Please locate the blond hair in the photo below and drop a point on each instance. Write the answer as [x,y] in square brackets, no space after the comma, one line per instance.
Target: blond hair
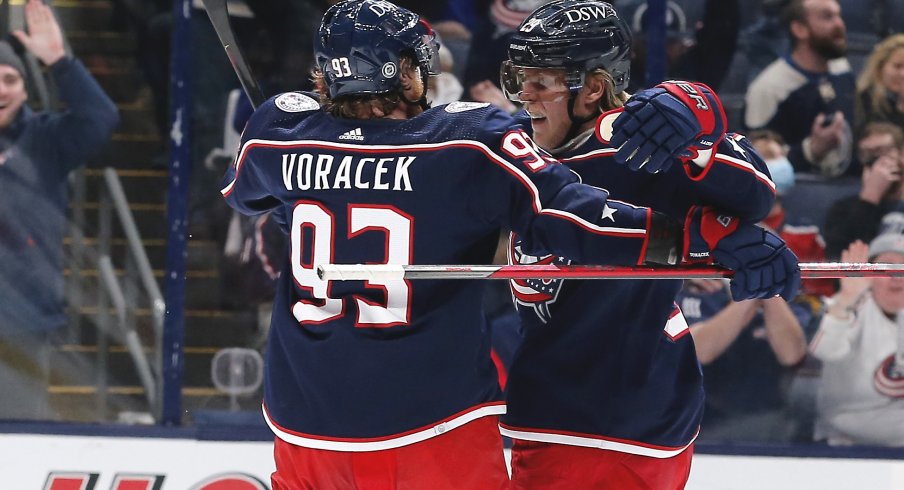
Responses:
[610,100]
[870,80]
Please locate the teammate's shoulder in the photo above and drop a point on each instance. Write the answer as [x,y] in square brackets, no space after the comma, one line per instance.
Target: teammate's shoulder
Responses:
[474,117]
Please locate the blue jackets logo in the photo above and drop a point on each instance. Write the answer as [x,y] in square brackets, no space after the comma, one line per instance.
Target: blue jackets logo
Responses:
[538,294]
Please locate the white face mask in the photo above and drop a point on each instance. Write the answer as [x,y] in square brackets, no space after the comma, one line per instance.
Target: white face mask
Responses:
[782,173]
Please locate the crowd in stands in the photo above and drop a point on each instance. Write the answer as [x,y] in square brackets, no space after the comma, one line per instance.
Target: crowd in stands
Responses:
[816,85]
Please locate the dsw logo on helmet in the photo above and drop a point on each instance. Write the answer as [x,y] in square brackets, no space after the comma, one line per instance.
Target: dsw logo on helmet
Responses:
[587,13]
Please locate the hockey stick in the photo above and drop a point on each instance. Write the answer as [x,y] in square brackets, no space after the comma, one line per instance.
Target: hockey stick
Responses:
[219,17]
[391,272]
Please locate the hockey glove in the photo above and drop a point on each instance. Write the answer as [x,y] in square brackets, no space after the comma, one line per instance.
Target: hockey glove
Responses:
[672,121]
[763,265]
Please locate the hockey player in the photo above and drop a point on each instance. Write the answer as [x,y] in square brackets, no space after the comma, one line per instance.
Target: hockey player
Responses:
[606,391]
[390,384]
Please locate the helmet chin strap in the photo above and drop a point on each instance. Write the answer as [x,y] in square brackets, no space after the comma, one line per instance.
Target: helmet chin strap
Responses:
[576,121]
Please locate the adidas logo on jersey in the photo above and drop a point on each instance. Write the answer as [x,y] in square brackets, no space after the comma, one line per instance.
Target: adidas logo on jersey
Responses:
[354,134]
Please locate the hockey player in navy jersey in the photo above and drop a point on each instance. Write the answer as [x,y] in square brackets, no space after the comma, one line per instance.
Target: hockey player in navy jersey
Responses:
[390,384]
[606,391]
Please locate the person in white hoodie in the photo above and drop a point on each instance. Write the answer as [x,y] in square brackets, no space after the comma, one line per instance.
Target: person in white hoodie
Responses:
[861,397]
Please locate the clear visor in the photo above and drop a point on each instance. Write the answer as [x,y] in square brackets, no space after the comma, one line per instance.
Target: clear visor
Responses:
[428,54]
[539,83]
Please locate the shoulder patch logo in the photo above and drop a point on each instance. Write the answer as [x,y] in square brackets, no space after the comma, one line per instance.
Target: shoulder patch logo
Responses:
[454,107]
[296,102]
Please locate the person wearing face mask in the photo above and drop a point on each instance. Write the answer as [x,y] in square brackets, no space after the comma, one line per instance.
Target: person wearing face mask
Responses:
[861,394]
[806,241]
[858,217]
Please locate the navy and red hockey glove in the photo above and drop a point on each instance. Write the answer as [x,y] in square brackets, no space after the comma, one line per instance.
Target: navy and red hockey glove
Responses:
[672,121]
[763,264]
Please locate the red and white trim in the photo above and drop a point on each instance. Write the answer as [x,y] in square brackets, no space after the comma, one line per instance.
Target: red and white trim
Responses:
[473,145]
[738,163]
[387,442]
[676,326]
[594,441]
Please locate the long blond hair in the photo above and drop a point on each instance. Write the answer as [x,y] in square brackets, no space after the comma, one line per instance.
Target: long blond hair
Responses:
[610,99]
[870,79]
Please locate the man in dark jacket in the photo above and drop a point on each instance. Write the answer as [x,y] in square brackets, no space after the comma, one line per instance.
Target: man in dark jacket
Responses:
[37,152]
[860,217]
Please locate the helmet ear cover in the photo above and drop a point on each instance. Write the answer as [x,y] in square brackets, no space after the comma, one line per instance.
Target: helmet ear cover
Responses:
[359,47]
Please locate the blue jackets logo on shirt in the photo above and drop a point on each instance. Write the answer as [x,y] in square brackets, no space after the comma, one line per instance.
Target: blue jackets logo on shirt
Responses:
[538,294]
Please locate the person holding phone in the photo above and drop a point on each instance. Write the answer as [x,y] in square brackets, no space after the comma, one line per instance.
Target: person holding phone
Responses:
[859,217]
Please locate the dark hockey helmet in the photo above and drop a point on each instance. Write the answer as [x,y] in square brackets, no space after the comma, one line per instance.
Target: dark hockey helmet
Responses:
[360,43]
[575,35]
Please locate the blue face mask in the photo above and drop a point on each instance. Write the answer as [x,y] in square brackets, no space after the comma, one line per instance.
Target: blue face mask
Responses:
[782,173]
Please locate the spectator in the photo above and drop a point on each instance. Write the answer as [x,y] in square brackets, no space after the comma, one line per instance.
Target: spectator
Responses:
[764,40]
[747,349]
[445,87]
[489,44]
[805,241]
[861,397]
[37,152]
[858,217]
[880,87]
[807,96]
[452,20]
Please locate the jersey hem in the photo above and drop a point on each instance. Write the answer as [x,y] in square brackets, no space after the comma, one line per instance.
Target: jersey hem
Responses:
[387,442]
[592,441]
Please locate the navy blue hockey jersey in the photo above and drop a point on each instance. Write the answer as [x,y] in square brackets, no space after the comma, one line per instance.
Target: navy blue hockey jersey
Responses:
[368,365]
[609,364]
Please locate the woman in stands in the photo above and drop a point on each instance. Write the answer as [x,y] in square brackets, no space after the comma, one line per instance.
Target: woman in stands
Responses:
[880,88]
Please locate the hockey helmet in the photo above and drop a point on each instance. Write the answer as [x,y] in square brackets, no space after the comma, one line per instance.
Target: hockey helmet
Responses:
[359,46]
[575,35]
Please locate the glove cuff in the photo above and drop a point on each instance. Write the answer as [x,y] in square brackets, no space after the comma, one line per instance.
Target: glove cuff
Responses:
[664,244]
[704,227]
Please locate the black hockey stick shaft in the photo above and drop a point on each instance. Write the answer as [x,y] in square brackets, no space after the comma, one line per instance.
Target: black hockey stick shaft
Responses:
[219,17]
